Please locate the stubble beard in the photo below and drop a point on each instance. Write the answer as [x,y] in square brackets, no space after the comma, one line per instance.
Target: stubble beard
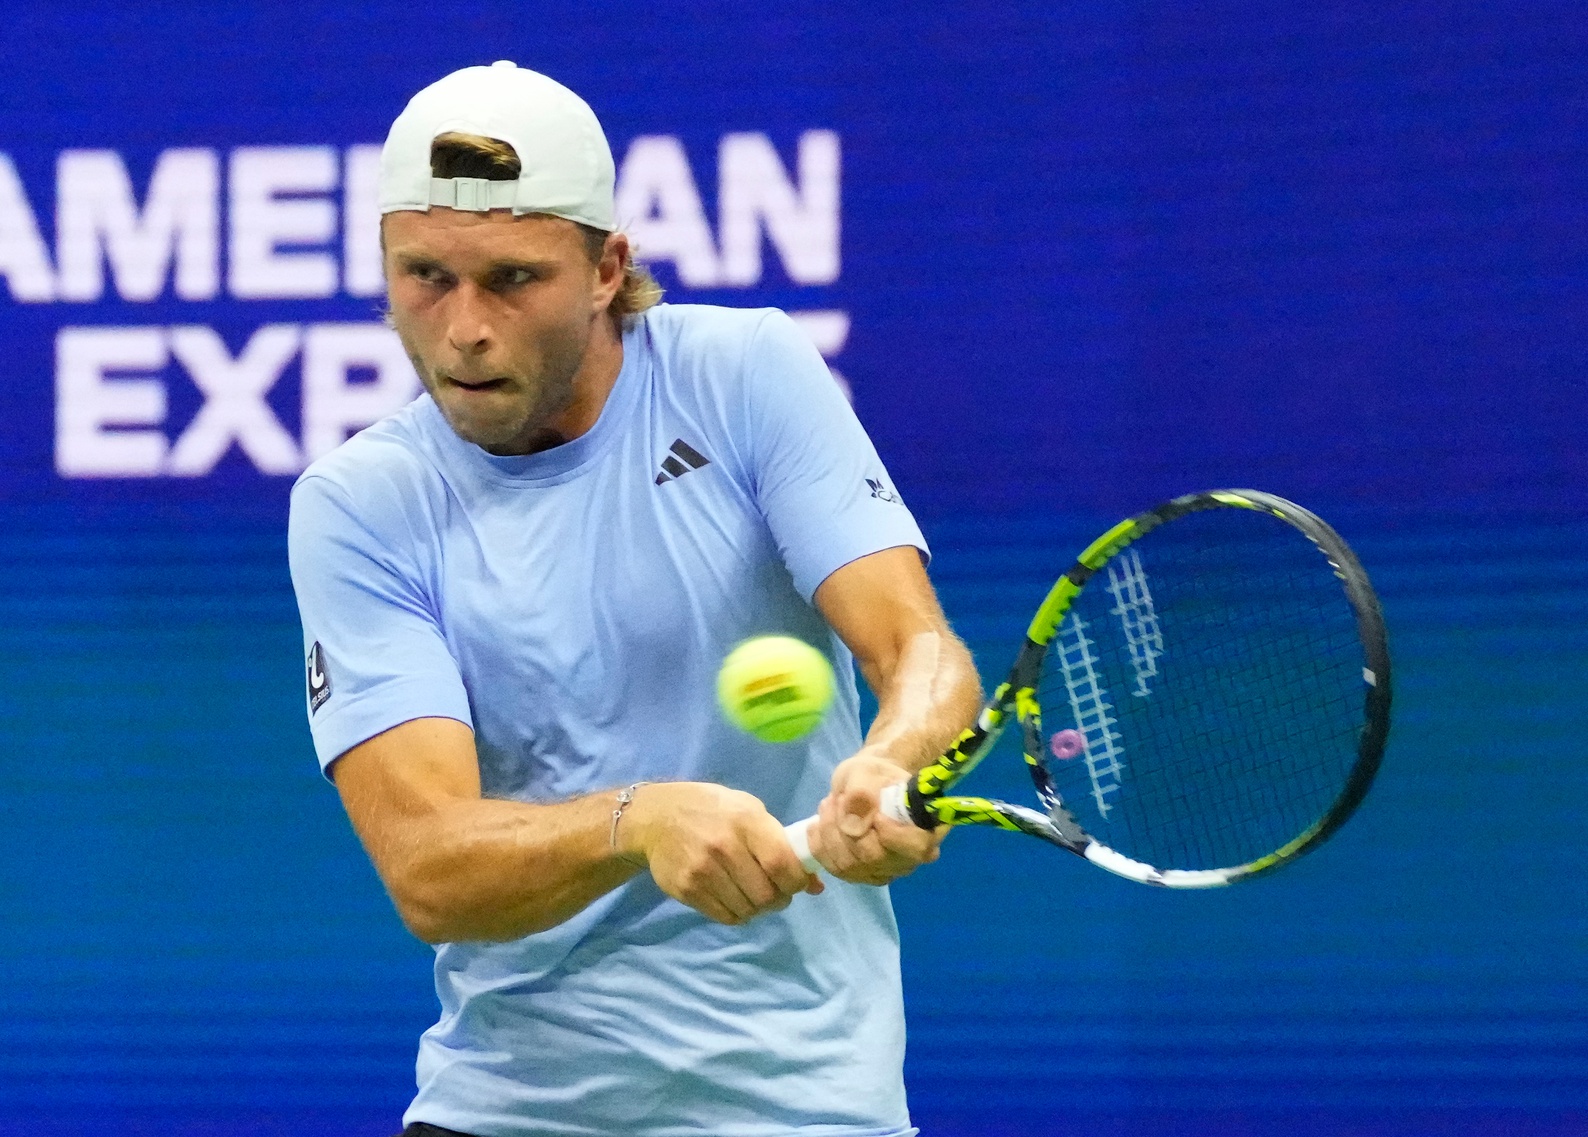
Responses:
[520,424]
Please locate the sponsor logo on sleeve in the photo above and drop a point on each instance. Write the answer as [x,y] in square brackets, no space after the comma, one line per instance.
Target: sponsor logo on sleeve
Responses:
[880,491]
[319,678]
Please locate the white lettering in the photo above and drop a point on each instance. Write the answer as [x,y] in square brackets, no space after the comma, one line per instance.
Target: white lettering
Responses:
[24,262]
[97,219]
[802,224]
[234,400]
[658,204]
[262,221]
[362,273]
[88,401]
[335,402]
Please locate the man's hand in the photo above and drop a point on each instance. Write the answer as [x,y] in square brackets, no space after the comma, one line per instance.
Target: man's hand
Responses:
[715,849]
[854,840]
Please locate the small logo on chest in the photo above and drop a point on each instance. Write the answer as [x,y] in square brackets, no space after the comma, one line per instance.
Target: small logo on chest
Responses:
[683,459]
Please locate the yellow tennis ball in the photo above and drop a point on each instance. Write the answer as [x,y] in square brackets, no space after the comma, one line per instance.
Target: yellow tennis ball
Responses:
[775,687]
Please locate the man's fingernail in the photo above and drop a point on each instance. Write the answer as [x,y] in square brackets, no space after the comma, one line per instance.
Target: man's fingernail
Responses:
[852,826]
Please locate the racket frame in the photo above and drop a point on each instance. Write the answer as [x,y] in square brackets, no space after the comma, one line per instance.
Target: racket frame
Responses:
[925,800]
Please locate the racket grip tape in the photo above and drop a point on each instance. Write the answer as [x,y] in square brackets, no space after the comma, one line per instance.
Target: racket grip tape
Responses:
[799,833]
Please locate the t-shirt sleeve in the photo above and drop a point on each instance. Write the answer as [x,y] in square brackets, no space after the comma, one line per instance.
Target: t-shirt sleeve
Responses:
[375,655]
[818,480]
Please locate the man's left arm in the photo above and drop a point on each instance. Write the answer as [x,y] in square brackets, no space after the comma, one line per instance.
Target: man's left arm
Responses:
[927,690]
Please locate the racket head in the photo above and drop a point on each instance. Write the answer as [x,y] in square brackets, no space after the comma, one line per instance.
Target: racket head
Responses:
[1212,698]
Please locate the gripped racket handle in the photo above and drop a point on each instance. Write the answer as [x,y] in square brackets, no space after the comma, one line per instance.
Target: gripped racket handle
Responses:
[799,833]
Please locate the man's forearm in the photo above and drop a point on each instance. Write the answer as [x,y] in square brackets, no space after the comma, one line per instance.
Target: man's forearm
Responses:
[931,694]
[460,866]
[927,691]
[484,869]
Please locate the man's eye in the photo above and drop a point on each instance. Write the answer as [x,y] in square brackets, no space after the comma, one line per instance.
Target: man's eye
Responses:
[516,276]
[429,274]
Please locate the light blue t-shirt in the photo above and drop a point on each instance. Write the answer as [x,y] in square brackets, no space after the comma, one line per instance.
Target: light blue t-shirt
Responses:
[573,607]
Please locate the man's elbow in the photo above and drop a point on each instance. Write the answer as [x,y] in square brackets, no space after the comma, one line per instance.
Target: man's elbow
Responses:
[428,922]
[424,906]
[442,924]
[438,913]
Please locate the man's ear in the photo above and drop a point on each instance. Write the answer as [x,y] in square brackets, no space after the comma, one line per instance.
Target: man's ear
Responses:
[615,256]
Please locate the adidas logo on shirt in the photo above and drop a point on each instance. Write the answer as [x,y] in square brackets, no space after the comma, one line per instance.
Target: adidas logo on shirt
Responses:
[683,459]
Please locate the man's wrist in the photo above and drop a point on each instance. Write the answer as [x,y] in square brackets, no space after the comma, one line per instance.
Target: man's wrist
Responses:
[624,835]
[881,753]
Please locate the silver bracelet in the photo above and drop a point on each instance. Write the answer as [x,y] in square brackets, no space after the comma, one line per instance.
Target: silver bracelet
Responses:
[624,798]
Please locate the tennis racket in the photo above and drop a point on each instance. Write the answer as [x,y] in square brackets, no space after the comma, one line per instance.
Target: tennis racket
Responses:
[1203,697]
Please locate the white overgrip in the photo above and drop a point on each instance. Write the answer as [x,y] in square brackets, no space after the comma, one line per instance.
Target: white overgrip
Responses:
[799,833]
[799,839]
[892,803]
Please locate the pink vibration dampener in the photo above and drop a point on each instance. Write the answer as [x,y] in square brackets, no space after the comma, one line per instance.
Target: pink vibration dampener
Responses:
[1067,744]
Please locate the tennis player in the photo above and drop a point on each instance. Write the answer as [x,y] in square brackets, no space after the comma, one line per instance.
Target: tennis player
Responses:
[515,595]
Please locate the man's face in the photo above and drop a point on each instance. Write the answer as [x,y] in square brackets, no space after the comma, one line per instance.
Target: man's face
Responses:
[496,313]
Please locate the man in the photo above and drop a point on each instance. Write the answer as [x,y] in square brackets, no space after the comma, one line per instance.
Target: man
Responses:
[516,593]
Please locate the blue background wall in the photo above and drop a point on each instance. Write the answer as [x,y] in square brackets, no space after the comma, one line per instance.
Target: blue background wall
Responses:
[1093,255]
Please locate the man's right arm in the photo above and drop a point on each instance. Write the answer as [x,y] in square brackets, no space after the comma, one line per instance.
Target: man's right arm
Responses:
[460,866]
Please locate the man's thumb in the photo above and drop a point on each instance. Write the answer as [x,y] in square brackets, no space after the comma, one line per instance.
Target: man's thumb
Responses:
[854,813]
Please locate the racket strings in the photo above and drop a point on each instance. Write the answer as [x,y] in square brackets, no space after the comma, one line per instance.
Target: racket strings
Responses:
[1214,671]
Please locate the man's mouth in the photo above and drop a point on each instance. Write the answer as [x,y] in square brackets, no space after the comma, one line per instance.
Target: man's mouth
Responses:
[475,384]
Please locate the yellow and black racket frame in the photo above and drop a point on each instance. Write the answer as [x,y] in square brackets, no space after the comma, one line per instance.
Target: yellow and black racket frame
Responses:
[925,795]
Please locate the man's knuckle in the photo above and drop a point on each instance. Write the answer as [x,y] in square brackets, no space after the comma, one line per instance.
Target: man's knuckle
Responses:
[718,845]
[761,894]
[696,875]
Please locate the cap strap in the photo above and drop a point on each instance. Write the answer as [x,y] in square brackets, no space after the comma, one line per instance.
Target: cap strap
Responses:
[474,194]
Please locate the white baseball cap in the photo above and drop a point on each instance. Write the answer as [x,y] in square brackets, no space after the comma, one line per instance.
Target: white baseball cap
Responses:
[564,157]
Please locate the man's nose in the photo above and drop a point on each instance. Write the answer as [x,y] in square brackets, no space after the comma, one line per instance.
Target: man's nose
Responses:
[468,326]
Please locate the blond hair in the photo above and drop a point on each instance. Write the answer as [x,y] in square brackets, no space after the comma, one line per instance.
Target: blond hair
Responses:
[455,155]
